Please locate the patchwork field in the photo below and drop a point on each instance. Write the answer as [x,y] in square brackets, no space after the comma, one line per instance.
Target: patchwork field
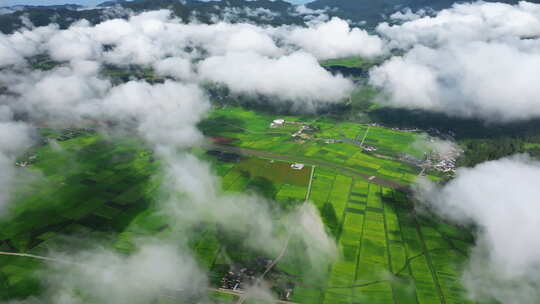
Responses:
[249,129]
[387,253]
[87,186]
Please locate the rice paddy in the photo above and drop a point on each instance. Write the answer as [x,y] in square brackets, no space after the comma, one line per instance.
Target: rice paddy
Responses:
[388,254]
[334,142]
[101,188]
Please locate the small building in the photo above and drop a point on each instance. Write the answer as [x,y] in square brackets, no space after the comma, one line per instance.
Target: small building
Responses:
[297,166]
[277,123]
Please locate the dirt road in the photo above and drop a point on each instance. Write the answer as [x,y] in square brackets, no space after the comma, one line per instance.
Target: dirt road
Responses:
[347,170]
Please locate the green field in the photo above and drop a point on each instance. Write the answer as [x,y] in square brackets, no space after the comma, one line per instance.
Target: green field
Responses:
[351,62]
[106,188]
[387,253]
[249,129]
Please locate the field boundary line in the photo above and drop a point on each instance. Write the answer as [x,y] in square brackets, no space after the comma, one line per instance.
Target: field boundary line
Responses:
[323,294]
[38,257]
[429,262]
[405,246]
[361,238]
[384,208]
[365,135]
[308,194]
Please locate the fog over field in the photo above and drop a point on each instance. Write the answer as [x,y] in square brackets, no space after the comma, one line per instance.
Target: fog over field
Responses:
[165,115]
[500,199]
[476,60]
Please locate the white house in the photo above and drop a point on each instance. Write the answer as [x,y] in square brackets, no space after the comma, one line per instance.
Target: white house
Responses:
[297,166]
[277,123]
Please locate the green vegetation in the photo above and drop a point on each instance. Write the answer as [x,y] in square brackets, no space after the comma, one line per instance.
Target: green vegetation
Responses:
[100,188]
[250,130]
[351,62]
[387,252]
[86,186]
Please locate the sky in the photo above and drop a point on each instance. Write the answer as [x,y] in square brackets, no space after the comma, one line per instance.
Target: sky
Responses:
[81,2]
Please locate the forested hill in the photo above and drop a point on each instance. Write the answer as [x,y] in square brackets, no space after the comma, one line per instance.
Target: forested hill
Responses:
[374,12]
[257,11]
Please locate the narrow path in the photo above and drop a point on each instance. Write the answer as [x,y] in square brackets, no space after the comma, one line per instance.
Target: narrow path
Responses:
[38,257]
[284,249]
[347,170]
[308,193]
[43,258]
[430,262]
[365,135]
[387,244]
[243,297]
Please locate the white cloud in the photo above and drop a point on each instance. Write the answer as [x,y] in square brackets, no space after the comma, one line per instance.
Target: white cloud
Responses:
[296,77]
[166,113]
[23,43]
[408,15]
[470,61]
[179,68]
[477,21]
[334,39]
[500,198]
[155,271]
[14,140]
[493,81]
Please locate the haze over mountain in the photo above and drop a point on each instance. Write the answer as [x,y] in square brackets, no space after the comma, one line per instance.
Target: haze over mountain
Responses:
[373,12]
[368,13]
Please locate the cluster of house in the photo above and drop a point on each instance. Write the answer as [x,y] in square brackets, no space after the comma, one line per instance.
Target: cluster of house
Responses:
[23,163]
[447,162]
[232,280]
[369,148]
[446,165]
[72,133]
[407,129]
[238,277]
[300,133]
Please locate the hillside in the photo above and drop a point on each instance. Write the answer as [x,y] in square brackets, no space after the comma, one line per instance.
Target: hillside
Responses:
[374,12]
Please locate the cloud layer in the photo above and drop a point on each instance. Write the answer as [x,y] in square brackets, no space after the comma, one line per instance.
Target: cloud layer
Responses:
[155,38]
[473,60]
[165,115]
[500,199]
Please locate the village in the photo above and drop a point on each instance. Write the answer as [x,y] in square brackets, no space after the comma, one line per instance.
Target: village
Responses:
[439,161]
[240,277]
[305,132]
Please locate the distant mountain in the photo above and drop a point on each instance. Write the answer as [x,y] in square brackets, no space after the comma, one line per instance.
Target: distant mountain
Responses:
[268,12]
[49,7]
[374,11]
[271,12]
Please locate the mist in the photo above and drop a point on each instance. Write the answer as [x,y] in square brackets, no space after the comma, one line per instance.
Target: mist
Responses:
[499,200]
[165,116]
